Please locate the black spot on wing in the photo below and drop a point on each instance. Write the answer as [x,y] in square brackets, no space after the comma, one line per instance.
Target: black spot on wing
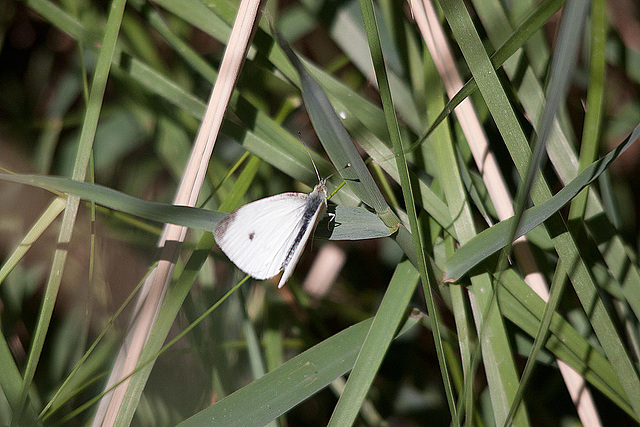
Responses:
[253,233]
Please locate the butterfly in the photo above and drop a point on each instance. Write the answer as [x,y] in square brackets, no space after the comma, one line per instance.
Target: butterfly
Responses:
[267,236]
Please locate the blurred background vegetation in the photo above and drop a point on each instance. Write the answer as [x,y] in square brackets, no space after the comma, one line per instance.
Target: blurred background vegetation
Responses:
[141,145]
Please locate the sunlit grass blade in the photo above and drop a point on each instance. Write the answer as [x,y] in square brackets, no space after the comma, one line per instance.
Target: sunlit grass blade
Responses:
[534,22]
[490,326]
[560,75]
[560,148]
[520,304]
[561,72]
[595,100]
[162,212]
[335,139]
[557,287]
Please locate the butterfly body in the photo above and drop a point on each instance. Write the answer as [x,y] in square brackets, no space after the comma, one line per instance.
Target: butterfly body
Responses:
[268,236]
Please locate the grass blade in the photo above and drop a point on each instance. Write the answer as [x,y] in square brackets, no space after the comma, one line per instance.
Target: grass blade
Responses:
[513,135]
[356,388]
[298,378]
[351,223]
[90,123]
[495,238]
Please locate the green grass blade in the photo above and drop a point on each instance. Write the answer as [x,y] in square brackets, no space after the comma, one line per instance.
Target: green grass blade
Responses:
[561,72]
[357,387]
[295,381]
[489,322]
[335,139]
[522,306]
[161,212]
[10,381]
[351,223]
[534,22]
[80,166]
[376,343]
[595,99]
[495,238]
[562,155]
[347,32]
[509,127]
[45,220]
[557,287]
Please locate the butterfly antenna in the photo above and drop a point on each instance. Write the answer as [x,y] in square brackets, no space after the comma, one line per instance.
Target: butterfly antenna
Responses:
[333,173]
[309,153]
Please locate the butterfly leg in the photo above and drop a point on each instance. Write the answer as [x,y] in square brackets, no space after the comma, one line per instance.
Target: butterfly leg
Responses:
[332,217]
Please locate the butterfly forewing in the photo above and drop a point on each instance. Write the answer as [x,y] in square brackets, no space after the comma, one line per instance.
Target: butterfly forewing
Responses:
[257,237]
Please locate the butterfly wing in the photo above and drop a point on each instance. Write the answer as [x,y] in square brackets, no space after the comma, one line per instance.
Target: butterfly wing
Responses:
[258,236]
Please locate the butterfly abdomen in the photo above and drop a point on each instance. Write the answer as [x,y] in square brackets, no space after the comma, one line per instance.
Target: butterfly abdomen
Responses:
[316,205]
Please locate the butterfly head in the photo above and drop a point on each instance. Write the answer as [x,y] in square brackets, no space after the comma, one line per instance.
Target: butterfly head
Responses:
[321,188]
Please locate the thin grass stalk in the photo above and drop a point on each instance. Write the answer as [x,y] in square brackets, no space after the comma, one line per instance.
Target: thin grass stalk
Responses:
[155,287]
[495,348]
[39,227]
[594,107]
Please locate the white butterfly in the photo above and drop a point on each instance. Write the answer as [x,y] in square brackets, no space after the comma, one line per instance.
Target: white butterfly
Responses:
[268,236]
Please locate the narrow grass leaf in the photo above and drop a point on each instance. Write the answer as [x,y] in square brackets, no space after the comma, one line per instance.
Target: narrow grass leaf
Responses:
[561,72]
[356,388]
[557,288]
[595,100]
[89,126]
[495,238]
[272,395]
[379,338]
[10,379]
[521,305]
[534,22]
[39,227]
[335,139]
[560,148]
[350,223]
[347,32]
[513,135]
